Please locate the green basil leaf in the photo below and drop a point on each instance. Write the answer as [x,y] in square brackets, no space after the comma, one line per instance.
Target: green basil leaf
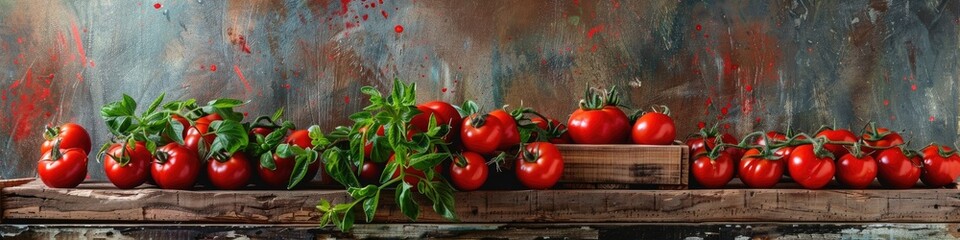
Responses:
[300,168]
[323,206]
[151,146]
[360,116]
[339,168]
[370,205]
[277,115]
[364,192]
[347,223]
[225,103]
[404,198]
[427,161]
[174,130]
[129,105]
[316,137]
[388,171]
[231,136]
[156,103]
[370,91]
[381,150]
[287,150]
[275,137]
[443,200]
[266,160]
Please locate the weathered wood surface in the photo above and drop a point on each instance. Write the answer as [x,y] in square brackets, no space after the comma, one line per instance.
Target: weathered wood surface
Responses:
[492,231]
[100,202]
[624,164]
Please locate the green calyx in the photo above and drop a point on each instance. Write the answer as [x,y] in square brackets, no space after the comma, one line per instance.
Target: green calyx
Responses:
[596,99]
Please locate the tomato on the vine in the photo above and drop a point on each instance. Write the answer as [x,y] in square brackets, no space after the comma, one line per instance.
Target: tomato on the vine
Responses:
[63,168]
[175,167]
[772,136]
[196,135]
[280,176]
[608,125]
[69,135]
[941,166]
[837,135]
[508,125]
[421,121]
[698,144]
[880,138]
[757,171]
[481,133]
[539,166]
[446,114]
[654,128]
[411,175]
[127,167]
[370,172]
[713,172]
[231,173]
[812,170]
[468,171]
[554,127]
[898,169]
[856,172]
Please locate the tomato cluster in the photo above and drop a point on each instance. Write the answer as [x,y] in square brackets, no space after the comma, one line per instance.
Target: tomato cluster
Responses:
[813,162]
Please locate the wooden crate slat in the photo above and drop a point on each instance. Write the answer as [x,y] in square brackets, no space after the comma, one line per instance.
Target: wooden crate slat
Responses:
[624,164]
[99,202]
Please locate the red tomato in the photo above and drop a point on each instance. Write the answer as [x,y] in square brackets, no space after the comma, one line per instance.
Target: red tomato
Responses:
[697,144]
[655,129]
[939,169]
[175,167]
[481,134]
[605,126]
[280,176]
[262,131]
[469,172]
[773,136]
[838,135]
[808,169]
[421,121]
[446,114]
[542,168]
[370,172]
[69,135]
[194,134]
[541,123]
[230,174]
[65,168]
[511,134]
[713,173]
[856,173]
[881,138]
[758,172]
[896,170]
[183,121]
[411,175]
[301,138]
[133,173]
[208,119]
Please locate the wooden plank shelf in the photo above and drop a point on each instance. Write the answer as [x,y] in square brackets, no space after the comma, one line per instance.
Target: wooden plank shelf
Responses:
[622,165]
[100,202]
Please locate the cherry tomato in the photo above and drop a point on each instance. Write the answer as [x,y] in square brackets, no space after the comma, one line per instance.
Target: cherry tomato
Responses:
[280,176]
[697,144]
[230,174]
[810,170]
[469,171]
[655,129]
[941,166]
[543,124]
[421,121]
[882,138]
[511,134]
[837,135]
[63,168]
[713,173]
[175,167]
[132,174]
[481,134]
[262,131]
[856,173]
[897,170]
[605,126]
[69,135]
[193,138]
[540,166]
[370,173]
[758,172]
[208,119]
[772,136]
[446,114]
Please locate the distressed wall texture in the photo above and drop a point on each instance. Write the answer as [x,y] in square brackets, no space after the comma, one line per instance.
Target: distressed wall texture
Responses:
[750,65]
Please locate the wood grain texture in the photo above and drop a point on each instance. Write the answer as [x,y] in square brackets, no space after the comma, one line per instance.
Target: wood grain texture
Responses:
[624,164]
[98,202]
[489,231]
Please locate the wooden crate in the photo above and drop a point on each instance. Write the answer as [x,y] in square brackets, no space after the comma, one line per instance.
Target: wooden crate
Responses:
[101,202]
[624,166]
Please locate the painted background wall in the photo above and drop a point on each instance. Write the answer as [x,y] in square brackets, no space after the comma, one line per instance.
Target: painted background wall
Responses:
[750,65]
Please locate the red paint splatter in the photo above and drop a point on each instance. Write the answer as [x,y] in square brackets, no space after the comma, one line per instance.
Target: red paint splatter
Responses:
[157,5]
[213,67]
[346,99]
[384,12]
[246,114]
[351,25]
[24,111]
[749,88]
[758,119]
[443,89]
[913,87]
[246,84]
[709,101]
[616,4]
[287,86]
[398,29]
[576,2]
[886,102]
[365,17]
[726,126]
[202,67]
[932,119]
[702,125]
[594,48]
[594,30]
[344,6]
[699,27]
[76,38]
[19,40]
[243,44]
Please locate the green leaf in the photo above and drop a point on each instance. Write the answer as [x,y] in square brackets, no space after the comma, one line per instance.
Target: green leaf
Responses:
[275,137]
[231,137]
[370,205]
[129,104]
[388,171]
[266,160]
[370,91]
[156,103]
[151,146]
[468,108]
[323,206]
[289,150]
[427,161]
[300,168]
[277,115]
[404,198]
[443,201]
[338,167]
[174,131]
[360,116]
[316,137]
[225,103]
[364,192]
[347,222]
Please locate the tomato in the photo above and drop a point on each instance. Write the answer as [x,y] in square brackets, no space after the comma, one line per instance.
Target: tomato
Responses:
[421,121]
[69,135]
[230,174]
[837,135]
[713,173]
[941,166]
[511,134]
[262,131]
[697,144]
[897,170]
[540,166]
[411,175]
[280,176]
[193,138]
[63,168]
[469,171]
[370,172]
[655,129]
[481,134]
[175,167]
[771,135]
[809,169]
[880,138]
[546,124]
[856,173]
[132,174]
[604,126]
[208,119]
[446,114]
[758,172]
